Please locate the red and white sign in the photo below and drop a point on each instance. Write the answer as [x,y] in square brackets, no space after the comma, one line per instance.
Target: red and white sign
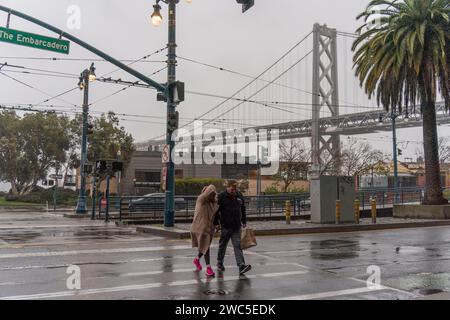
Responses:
[165,154]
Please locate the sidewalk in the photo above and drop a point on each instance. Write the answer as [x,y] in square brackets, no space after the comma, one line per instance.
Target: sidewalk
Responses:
[262,228]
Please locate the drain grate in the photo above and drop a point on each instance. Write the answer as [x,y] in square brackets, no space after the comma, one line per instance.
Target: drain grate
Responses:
[427,292]
[217,292]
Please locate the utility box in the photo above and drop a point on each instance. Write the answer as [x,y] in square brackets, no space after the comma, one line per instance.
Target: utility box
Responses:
[325,190]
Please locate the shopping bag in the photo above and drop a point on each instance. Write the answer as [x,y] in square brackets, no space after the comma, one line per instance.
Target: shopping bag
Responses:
[248,238]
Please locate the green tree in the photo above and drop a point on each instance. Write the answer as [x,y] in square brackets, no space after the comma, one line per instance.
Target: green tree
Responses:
[107,139]
[404,58]
[29,147]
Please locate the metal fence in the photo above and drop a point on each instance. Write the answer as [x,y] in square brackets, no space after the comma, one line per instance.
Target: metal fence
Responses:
[259,206]
[153,207]
[386,197]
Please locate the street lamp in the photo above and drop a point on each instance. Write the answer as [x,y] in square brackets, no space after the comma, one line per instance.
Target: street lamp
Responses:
[86,76]
[156,15]
[173,95]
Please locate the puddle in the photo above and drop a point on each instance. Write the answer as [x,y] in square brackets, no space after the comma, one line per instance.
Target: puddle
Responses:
[334,249]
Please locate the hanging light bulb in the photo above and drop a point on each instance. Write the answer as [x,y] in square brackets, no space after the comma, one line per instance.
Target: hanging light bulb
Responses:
[156,15]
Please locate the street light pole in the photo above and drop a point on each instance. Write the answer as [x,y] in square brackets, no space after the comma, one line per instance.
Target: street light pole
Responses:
[171,108]
[169,214]
[86,76]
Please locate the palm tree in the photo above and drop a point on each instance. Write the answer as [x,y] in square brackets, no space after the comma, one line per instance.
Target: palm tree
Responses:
[404,59]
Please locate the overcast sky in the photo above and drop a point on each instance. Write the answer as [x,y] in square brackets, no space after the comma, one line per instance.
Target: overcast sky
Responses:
[211,31]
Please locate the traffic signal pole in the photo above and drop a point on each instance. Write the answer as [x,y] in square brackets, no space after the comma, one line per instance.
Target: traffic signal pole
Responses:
[169,214]
[81,205]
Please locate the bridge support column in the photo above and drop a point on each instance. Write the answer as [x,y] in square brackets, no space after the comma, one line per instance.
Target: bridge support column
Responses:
[325,93]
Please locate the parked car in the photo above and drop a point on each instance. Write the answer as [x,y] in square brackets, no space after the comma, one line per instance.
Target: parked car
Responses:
[154,202]
[305,203]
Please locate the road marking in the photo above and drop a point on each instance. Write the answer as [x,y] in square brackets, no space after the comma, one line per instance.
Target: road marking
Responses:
[50,226]
[52,295]
[149,273]
[78,252]
[84,242]
[329,294]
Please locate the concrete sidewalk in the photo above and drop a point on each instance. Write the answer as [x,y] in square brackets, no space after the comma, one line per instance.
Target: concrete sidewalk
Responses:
[181,230]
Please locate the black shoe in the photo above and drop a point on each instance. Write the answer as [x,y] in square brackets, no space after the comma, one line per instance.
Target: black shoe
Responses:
[220,267]
[245,268]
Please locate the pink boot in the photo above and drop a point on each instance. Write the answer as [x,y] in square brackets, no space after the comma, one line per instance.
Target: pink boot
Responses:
[197,264]
[210,272]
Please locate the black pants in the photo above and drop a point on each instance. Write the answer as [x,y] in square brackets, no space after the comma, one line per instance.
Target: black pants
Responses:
[235,236]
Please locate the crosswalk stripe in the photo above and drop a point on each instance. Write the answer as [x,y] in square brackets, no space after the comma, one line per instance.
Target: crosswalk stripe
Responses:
[77,252]
[60,294]
[328,294]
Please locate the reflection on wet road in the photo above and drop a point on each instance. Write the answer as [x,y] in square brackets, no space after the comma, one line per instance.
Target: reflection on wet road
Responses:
[118,263]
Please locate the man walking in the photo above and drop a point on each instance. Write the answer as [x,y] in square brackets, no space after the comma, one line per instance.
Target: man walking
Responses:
[231,217]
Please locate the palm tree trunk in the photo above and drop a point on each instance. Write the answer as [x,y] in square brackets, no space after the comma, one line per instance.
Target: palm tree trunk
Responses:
[433,191]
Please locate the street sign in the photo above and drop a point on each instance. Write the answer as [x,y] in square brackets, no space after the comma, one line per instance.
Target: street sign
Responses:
[37,41]
[165,154]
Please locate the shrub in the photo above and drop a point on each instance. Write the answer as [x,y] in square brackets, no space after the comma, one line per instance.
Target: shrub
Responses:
[271,190]
[41,196]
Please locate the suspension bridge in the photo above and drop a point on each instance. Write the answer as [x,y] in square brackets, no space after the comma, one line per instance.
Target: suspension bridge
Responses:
[311,91]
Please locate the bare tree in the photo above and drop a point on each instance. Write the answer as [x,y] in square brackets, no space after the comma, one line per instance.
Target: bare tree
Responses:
[295,158]
[358,158]
[444,150]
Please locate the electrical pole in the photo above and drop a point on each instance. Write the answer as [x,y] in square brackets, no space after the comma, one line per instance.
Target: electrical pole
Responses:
[81,206]
[86,76]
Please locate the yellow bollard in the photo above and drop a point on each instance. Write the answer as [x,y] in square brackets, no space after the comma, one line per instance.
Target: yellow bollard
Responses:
[338,211]
[357,213]
[287,209]
[373,204]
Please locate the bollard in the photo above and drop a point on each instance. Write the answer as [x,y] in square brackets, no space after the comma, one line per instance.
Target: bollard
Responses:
[373,204]
[287,210]
[338,211]
[357,213]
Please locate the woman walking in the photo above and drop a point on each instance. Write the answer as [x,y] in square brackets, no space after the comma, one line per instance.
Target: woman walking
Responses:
[202,228]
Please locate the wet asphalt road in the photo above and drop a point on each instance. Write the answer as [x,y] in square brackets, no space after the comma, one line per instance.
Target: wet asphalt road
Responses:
[118,263]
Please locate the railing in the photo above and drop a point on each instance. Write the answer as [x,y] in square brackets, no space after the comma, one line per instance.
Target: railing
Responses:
[260,206]
[386,197]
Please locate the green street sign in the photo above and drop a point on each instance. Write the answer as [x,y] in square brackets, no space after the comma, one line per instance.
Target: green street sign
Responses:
[34,40]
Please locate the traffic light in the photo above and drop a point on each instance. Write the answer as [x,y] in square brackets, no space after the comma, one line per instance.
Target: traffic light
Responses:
[117,166]
[176,91]
[101,166]
[246,4]
[400,152]
[172,120]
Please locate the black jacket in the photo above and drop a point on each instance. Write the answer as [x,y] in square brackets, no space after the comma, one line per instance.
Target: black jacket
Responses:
[231,214]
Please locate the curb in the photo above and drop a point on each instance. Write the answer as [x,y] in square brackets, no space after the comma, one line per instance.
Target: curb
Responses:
[183,234]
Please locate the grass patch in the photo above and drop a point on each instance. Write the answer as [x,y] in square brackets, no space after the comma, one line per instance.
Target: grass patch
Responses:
[4,203]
